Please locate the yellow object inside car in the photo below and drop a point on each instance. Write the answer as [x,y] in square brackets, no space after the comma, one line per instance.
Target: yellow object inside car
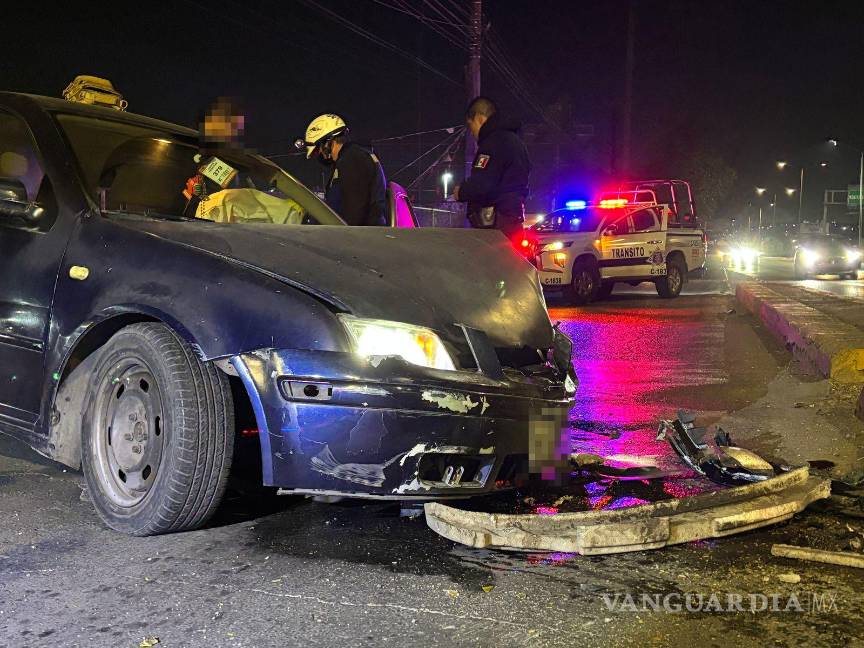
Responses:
[249,206]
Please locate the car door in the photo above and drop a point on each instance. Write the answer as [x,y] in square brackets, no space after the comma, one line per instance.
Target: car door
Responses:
[633,245]
[30,255]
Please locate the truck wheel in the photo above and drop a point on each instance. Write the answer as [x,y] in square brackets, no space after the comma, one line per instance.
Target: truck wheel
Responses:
[669,286]
[605,289]
[585,283]
[157,435]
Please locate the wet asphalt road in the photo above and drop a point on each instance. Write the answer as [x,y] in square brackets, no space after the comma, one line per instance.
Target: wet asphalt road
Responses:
[781,269]
[289,571]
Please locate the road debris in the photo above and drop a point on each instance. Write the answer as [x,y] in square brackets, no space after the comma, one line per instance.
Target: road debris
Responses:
[722,462]
[845,558]
[792,579]
[149,643]
[634,528]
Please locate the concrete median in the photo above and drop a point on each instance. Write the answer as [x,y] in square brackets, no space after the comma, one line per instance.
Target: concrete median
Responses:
[827,344]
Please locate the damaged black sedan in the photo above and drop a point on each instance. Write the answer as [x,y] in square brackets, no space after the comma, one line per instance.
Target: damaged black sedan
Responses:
[135,333]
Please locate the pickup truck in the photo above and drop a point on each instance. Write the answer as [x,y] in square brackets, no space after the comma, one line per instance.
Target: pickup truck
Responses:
[630,237]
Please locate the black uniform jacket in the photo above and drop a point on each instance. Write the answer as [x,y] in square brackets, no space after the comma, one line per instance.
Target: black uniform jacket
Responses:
[499,177]
[357,189]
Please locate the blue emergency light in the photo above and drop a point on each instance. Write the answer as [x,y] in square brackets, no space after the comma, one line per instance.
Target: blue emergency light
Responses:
[575,204]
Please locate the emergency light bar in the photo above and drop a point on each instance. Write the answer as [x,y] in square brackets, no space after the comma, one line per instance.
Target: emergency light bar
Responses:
[612,203]
[576,204]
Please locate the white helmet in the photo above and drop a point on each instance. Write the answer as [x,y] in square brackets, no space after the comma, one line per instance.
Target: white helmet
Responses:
[321,129]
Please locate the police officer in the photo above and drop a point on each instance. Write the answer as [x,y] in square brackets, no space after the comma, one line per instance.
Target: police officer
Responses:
[498,186]
[357,188]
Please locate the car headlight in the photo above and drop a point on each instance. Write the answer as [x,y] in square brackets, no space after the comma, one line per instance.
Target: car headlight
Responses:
[415,344]
[556,245]
[809,256]
[853,255]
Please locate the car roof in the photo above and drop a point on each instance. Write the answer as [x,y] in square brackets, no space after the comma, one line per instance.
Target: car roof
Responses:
[58,105]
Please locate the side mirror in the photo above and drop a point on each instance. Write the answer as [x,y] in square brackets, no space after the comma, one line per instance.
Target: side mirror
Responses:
[14,202]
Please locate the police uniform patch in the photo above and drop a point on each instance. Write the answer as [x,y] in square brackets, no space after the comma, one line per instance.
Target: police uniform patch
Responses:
[482,161]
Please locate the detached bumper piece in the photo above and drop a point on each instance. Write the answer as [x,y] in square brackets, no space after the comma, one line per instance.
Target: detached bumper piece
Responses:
[723,462]
[651,526]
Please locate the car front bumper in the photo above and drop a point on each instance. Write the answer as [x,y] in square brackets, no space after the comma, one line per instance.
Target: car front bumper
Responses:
[336,423]
[831,266]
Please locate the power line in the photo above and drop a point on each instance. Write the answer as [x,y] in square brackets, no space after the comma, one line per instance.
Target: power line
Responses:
[454,137]
[448,151]
[357,29]
[449,129]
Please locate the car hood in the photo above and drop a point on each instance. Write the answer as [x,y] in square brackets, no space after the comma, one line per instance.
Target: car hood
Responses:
[432,277]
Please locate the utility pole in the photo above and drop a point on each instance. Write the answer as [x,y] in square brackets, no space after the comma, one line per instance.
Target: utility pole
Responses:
[627,117]
[472,72]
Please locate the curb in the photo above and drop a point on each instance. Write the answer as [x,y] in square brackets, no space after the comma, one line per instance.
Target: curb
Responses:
[825,346]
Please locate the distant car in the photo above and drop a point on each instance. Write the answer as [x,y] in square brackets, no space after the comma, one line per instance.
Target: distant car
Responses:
[585,251]
[817,254]
[140,342]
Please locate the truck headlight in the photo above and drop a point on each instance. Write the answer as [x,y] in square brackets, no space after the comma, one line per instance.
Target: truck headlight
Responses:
[853,255]
[415,344]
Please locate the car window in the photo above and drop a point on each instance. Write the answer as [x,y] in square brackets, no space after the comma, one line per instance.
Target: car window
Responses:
[21,171]
[644,220]
[132,167]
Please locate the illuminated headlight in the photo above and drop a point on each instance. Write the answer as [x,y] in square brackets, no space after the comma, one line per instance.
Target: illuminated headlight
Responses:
[556,245]
[560,259]
[745,254]
[809,256]
[415,344]
[853,255]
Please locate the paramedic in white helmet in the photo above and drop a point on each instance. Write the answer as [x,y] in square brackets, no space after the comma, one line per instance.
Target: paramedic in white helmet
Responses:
[356,188]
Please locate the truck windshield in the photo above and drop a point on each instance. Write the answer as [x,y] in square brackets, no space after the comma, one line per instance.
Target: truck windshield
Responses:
[572,220]
[131,167]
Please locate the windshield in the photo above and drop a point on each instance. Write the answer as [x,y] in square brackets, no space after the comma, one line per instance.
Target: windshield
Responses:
[572,220]
[820,242]
[133,168]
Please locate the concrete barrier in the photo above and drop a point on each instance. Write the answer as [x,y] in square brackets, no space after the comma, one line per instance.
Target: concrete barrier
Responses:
[825,345]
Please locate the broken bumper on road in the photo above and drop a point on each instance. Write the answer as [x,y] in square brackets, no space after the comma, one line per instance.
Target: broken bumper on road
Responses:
[336,423]
[651,526]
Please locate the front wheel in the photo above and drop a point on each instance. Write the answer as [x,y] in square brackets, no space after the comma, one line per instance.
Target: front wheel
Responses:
[849,275]
[669,285]
[157,435]
[585,284]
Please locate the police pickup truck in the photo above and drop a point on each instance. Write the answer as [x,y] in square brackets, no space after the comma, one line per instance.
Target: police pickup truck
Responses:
[645,231]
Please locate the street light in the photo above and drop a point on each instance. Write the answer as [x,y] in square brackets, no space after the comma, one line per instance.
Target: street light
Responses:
[781,165]
[834,142]
[446,177]
[789,191]
[760,190]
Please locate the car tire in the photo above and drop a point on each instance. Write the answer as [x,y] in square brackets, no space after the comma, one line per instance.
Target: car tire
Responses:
[157,434]
[605,289]
[669,285]
[585,284]
[849,275]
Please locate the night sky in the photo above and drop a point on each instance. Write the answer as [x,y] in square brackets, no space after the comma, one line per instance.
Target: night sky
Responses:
[749,81]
